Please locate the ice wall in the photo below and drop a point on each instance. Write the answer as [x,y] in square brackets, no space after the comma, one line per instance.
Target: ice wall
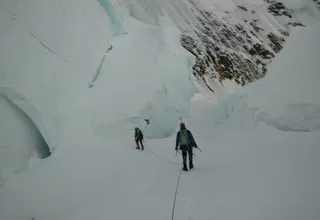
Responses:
[172,98]
[116,25]
[20,139]
[51,50]
[156,84]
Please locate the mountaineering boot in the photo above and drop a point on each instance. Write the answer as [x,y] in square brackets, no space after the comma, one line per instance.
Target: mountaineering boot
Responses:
[138,148]
[185,167]
[190,165]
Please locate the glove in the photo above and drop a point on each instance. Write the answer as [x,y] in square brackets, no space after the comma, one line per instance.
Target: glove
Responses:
[176,148]
[195,146]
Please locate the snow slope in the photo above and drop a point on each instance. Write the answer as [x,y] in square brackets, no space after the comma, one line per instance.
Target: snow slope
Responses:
[292,101]
[246,171]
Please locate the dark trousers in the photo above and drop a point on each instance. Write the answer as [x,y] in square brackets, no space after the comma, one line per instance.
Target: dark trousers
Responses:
[185,154]
[141,144]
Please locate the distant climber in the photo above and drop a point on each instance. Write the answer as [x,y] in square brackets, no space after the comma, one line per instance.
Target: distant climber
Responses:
[138,136]
[185,142]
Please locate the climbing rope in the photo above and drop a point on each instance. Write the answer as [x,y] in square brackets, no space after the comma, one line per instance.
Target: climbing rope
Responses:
[161,158]
[175,195]
[178,182]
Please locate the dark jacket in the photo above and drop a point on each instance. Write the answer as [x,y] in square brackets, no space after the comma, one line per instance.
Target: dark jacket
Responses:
[192,142]
[138,135]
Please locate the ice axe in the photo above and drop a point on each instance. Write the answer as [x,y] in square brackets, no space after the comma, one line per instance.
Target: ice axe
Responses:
[177,152]
[198,148]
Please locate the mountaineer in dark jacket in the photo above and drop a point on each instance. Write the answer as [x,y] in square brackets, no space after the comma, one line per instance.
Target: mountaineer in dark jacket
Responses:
[138,136]
[185,142]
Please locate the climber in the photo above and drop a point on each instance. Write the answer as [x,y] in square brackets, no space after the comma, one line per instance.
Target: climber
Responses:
[138,136]
[185,142]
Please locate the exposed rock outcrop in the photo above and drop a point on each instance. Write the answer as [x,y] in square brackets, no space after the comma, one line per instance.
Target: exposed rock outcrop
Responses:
[237,49]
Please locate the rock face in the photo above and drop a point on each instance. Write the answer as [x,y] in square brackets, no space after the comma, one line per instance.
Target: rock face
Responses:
[237,44]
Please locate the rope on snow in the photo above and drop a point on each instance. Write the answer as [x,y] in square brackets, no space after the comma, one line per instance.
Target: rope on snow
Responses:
[175,195]
[161,158]
[178,182]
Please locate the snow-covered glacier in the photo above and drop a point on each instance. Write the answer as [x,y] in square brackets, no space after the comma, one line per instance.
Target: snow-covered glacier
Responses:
[248,169]
[77,76]
[90,66]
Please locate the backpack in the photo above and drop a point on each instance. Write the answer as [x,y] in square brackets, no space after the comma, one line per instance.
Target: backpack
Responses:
[138,134]
[184,139]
